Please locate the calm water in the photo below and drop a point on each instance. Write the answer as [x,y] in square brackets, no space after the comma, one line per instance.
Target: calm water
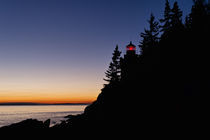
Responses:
[13,114]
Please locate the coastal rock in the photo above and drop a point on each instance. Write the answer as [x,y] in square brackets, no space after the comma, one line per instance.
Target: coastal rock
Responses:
[69,116]
[46,124]
[29,124]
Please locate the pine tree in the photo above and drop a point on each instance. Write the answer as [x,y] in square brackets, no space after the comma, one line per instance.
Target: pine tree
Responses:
[176,16]
[198,15]
[188,23]
[194,19]
[113,72]
[150,37]
[166,21]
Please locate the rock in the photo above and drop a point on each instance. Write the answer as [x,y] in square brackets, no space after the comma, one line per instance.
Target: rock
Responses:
[46,123]
[29,124]
[69,116]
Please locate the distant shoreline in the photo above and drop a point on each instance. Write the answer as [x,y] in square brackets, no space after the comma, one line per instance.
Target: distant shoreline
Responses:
[25,104]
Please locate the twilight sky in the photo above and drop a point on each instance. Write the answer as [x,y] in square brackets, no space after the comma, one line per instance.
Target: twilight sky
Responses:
[58,50]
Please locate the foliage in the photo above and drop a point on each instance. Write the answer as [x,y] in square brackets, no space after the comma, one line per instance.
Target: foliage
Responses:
[113,72]
[150,36]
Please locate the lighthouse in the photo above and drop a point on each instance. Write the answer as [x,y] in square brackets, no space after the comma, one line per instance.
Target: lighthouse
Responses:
[130,49]
[129,62]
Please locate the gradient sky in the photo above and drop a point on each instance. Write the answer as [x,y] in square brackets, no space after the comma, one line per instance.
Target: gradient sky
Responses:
[58,50]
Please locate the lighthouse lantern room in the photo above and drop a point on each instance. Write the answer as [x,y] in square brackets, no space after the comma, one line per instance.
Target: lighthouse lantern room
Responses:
[130,48]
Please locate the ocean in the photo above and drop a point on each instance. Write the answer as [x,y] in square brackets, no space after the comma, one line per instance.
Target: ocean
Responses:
[13,114]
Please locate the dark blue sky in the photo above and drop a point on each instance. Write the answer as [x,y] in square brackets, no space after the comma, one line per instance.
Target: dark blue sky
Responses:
[73,39]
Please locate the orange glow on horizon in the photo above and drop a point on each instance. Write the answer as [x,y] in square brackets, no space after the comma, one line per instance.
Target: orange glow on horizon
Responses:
[16,97]
[40,86]
[44,100]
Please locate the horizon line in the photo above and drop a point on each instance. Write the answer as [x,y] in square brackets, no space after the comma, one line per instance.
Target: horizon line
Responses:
[37,103]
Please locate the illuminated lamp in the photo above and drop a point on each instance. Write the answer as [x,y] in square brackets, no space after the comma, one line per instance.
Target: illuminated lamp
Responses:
[131,47]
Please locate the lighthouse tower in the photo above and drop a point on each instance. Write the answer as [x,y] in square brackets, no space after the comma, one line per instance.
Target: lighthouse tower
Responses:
[130,49]
[129,62]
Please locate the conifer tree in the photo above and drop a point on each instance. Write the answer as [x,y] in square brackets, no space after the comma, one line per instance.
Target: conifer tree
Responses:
[188,22]
[166,21]
[198,15]
[176,16]
[113,72]
[150,36]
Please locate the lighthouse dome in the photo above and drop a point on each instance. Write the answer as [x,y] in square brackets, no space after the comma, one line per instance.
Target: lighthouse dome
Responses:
[131,47]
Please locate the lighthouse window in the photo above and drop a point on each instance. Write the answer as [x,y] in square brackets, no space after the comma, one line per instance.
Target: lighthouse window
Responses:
[131,48]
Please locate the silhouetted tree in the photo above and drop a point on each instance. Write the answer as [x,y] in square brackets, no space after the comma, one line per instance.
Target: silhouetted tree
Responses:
[198,34]
[150,36]
[113,72]
[166,21]
[176,16]
[198,15]
[188,22]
